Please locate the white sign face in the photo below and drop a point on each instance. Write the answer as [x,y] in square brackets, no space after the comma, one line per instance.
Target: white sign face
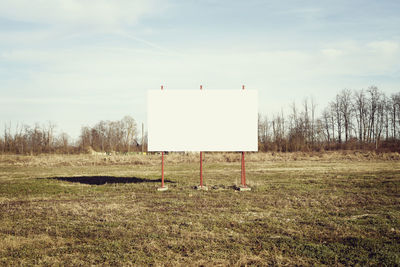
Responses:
[202,120]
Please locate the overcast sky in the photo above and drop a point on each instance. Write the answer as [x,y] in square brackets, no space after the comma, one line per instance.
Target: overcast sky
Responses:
[75,62]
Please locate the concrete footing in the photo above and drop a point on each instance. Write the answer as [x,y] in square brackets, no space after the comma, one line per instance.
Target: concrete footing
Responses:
[165,188]
[242,188]
[199,187]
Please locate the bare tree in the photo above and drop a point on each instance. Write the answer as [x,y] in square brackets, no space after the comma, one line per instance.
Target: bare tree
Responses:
[278,130]
[360,108]
[345,110]
[372,107]
[313,107]
[336,109]
[395,101]
[326,116]
[129,131]
[380,119]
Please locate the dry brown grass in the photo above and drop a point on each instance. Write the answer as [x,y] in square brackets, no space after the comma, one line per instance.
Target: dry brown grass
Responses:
[304,209]
[54,160]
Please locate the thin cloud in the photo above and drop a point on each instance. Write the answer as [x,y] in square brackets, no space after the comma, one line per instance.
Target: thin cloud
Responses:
[143,41]
[80,13]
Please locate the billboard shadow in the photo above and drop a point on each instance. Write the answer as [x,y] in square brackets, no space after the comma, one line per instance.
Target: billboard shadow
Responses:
[101,180]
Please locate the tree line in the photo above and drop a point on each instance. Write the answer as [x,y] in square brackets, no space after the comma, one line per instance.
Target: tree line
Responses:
[105,136]
[355,119]
[111,136]
[26,139]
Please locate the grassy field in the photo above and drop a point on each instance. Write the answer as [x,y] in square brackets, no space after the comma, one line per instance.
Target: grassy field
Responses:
[318,209]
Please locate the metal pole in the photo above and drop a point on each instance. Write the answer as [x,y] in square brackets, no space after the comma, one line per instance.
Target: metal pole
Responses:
[162,169]
[243,171]
[201,159]
[243,164]
[162,159]
[201,169]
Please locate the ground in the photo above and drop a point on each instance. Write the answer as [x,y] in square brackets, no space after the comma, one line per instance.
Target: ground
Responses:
[304,209]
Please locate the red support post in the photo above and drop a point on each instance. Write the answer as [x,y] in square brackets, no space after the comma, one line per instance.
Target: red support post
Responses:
[162,188]
[201,186]
[201,158]
[243,176]
[243,169]
[201,169]
[162,169]
[162,159]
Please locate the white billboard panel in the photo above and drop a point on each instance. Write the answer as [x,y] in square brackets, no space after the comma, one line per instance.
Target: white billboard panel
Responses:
[202,120]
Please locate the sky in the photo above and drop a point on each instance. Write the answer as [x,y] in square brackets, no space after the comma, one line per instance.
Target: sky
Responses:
[76,62]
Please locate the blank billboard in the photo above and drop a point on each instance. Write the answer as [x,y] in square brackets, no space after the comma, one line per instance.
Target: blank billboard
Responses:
[202,120]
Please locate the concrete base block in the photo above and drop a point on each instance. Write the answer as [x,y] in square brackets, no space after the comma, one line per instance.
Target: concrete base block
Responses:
[242,188]
[165,188]
[199,187]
